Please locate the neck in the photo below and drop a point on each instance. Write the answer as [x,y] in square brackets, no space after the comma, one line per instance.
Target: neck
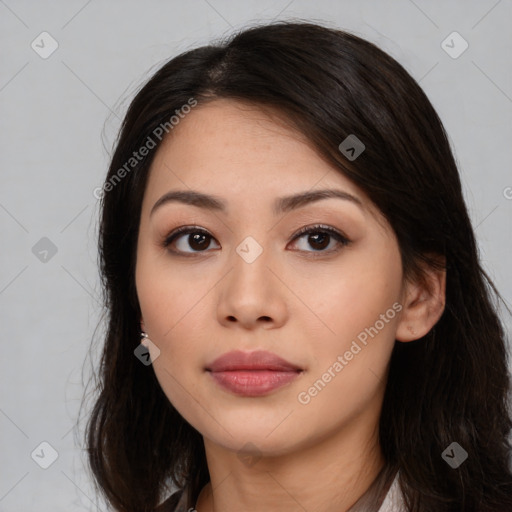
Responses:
[327,476]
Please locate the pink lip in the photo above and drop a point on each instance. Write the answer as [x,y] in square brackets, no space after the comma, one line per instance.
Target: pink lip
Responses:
[252,373]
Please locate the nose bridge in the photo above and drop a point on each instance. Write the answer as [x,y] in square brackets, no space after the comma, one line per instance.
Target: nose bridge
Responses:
[250,291]
[250,274]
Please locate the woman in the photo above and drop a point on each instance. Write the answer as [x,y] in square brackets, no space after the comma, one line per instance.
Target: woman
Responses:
[284,237]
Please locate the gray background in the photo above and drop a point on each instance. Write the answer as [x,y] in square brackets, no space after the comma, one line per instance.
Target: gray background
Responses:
[58,122]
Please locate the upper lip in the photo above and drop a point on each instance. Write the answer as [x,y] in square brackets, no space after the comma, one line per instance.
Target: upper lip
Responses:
[257,360]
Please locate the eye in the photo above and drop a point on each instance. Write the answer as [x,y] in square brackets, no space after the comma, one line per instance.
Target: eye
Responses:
[320,238]
[189,237]
[193,240]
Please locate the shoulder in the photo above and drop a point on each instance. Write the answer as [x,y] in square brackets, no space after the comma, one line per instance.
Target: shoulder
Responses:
[394,500]
[177,502]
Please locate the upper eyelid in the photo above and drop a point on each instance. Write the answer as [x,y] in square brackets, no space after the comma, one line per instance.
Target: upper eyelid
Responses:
[317,227]
[184,230]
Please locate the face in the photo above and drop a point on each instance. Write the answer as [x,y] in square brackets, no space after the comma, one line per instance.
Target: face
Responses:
[245,278]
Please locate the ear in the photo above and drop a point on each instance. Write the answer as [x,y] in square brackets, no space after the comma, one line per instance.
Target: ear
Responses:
[423,301]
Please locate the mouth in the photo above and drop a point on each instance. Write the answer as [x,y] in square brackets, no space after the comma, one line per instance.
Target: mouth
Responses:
[252,373]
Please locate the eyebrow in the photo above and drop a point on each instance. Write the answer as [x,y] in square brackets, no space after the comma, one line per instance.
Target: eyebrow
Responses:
[281,205]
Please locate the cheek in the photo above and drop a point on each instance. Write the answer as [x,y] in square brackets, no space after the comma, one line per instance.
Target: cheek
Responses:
[169,294]
[175,323]
[177,312]
[349,358]
[344,298]
[354,319]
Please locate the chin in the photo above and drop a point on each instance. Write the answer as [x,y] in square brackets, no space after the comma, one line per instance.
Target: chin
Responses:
[257,445]
[247,435]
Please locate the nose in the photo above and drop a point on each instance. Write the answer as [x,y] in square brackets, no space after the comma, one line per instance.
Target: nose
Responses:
[251,296]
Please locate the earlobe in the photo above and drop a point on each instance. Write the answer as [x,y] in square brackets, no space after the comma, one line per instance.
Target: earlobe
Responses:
[423,305]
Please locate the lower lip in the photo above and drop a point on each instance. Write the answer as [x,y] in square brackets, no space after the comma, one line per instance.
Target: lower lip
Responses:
[253,383]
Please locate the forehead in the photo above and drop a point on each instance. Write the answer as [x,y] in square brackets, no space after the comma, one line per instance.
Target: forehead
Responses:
[228,131]
[225,146]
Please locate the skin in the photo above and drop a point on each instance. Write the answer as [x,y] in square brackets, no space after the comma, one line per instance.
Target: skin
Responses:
[305,305]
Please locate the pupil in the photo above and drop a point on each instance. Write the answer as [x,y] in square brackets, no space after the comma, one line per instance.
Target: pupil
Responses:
[197,241]
[319,240]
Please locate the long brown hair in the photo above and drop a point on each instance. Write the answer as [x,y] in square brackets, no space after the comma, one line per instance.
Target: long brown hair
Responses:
[450,386]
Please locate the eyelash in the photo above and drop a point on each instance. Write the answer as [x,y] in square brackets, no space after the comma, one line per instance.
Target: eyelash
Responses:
[342,240]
